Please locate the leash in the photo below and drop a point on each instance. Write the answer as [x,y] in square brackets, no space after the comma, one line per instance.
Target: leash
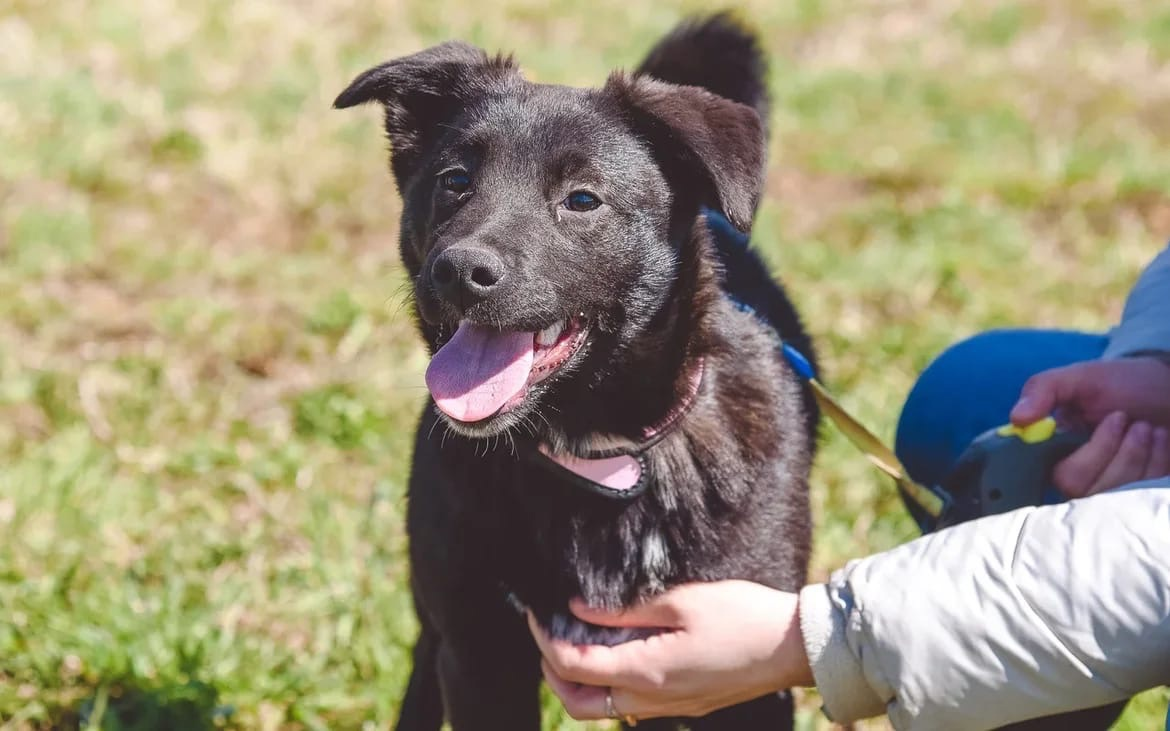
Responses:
[879,455]
[731,244]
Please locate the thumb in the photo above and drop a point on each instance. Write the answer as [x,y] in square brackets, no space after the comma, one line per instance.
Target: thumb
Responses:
[1043,392]
[656,612]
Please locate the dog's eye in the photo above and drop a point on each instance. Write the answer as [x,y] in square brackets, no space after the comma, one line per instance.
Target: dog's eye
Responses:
[581,201]
[456,181]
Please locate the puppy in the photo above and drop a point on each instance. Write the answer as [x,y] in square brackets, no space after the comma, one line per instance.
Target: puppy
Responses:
[610,413]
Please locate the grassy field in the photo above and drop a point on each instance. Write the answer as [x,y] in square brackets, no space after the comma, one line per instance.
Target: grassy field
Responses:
[208,380]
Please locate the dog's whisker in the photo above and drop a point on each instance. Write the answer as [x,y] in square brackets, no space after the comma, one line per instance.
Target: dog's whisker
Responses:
[530,425]
[522,424]
[404,297]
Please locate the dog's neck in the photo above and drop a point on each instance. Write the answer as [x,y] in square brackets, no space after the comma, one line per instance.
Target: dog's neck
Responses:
[621,411]
[616,466]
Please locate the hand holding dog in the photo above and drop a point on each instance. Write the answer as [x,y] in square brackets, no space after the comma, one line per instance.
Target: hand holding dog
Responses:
[1125,401]
[725,642]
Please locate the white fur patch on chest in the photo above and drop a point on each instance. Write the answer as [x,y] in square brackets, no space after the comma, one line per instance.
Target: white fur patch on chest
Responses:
[655,559]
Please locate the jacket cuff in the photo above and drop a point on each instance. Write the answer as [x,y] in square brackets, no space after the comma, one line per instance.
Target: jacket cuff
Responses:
[825,612]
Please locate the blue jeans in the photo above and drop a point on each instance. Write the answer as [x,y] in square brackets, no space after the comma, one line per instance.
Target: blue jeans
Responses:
[971,388]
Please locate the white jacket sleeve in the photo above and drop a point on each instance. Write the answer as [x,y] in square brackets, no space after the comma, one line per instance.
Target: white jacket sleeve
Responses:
[1030,613]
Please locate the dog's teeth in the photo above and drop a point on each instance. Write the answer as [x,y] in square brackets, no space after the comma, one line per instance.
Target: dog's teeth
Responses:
[549,335]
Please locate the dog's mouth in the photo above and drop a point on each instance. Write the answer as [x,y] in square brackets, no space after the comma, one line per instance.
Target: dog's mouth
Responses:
[482,372]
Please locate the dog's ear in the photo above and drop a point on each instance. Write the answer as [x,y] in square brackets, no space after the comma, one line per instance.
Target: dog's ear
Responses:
[423,91]
[717,145]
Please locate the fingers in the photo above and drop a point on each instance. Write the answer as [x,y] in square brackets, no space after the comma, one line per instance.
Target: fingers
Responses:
[582,702]
[588,664]
[660,611]
[587,702]
[1089,390]
[1115,455]
[1076,474]
[1159,464]
[1040,395]
[1129,464]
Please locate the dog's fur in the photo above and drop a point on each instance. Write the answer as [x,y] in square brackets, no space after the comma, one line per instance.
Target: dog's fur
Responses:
[728,485]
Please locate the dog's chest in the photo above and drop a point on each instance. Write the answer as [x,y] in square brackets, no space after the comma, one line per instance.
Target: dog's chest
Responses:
[552,544]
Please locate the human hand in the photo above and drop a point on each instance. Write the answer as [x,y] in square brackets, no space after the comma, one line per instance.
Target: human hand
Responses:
[1119,452]
[1085,393]
[726,642]
[1126,402]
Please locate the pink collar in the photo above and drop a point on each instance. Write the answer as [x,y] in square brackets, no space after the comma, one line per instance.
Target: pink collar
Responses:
[620,472]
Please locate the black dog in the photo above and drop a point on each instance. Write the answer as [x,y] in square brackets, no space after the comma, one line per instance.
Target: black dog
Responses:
[610,414]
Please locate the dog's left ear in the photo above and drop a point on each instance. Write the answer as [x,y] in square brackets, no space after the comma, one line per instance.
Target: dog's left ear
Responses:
[422,92]
[717,145]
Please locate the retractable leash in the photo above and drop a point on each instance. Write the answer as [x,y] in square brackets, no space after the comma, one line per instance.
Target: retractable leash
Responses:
[1003,469]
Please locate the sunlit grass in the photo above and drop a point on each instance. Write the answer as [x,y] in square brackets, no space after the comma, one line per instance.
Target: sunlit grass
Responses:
[209,382]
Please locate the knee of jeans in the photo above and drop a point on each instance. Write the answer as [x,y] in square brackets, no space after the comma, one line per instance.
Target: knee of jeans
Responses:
[947,378]
[924,438]
[941,377]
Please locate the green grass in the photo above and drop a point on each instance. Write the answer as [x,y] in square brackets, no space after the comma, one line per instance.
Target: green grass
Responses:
[208,380]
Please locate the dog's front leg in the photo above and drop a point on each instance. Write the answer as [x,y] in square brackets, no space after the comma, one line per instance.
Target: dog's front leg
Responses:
[485,689]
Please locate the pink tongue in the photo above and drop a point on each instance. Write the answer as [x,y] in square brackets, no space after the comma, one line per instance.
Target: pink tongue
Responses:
[478,371]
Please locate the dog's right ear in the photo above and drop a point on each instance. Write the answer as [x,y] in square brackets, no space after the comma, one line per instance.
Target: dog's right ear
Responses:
[714,146]
[423,91]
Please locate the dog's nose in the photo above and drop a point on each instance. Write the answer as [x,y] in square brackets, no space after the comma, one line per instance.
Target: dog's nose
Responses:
[464,275]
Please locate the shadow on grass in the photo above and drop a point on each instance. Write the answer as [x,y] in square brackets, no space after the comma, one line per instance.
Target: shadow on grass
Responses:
[128,705]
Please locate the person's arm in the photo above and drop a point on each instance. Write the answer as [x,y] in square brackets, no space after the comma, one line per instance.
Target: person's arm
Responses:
[1145,322]
[1031,613]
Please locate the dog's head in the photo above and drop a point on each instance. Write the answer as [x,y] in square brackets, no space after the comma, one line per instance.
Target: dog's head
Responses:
[544,226]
